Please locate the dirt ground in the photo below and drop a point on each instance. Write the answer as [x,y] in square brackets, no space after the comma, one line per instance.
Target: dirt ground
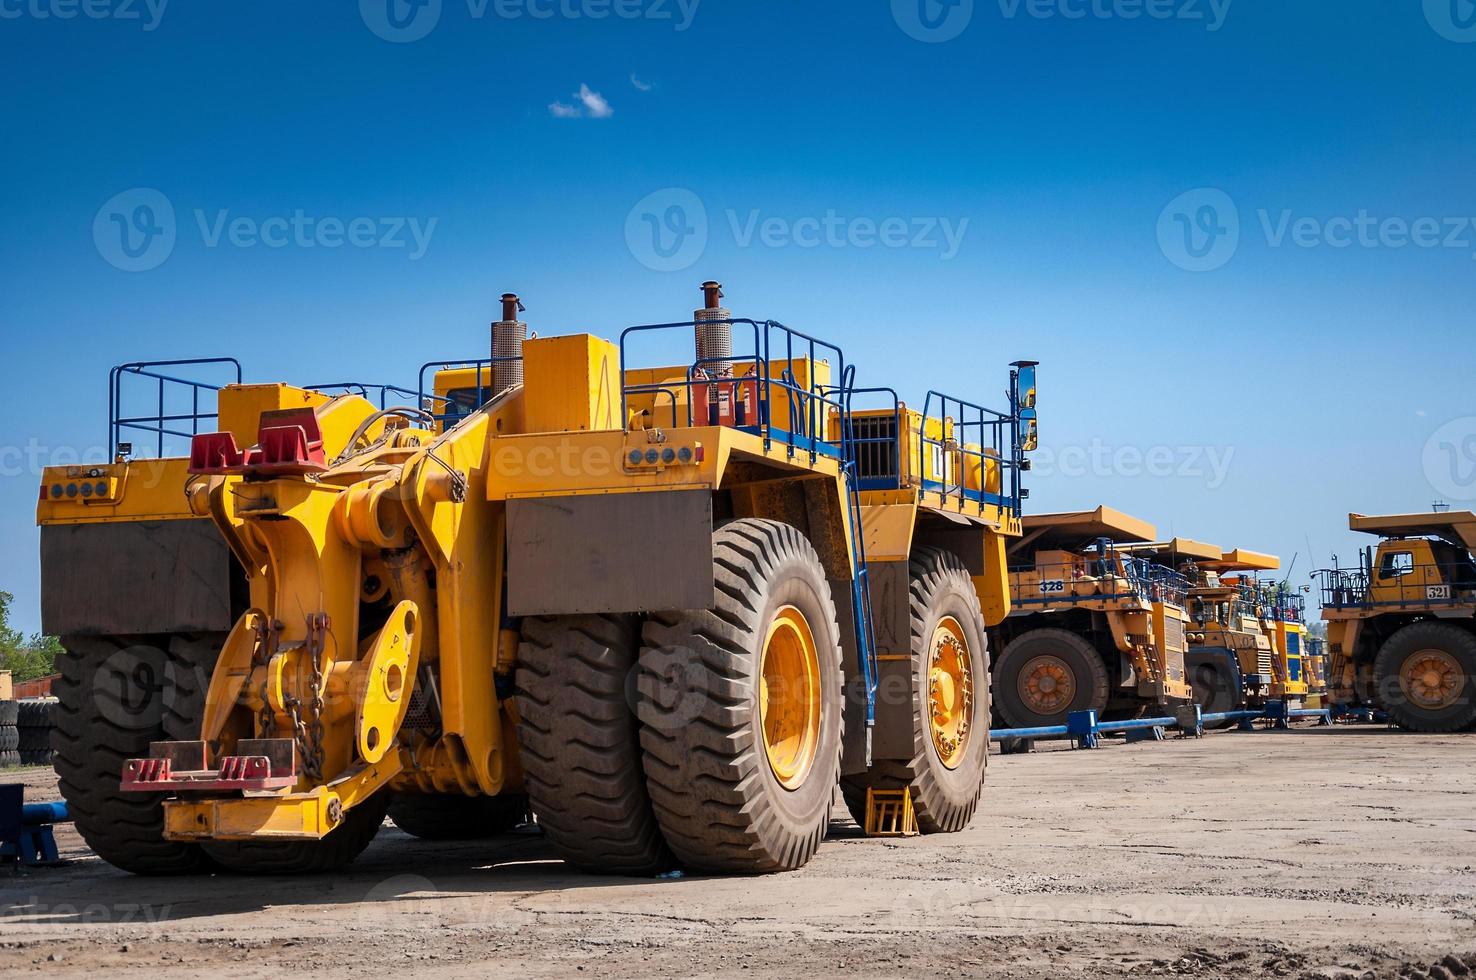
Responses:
[1314,853]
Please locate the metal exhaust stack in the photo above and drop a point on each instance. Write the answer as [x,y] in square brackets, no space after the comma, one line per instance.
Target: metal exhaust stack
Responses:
[508,335]
[714,334]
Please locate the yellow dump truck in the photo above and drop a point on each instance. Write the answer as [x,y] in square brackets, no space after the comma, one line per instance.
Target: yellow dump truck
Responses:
[1401,623]
[1093,625]
[668,609]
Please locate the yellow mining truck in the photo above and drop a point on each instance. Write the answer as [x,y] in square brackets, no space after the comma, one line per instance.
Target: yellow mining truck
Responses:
[1093,625]
[1401,624]
[638,600]
[1282,611]
[1229,654]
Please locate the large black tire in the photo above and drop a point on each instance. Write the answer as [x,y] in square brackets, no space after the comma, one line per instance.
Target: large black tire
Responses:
[1214,691]
[1452,644]
[10,759]
[9,714]
[40,757]
[1085,671]
[304,857]
[113,700]
[719,802]
[944,799]
[33,739]
[35,714]
[9,739]
[579,741]
[443,816]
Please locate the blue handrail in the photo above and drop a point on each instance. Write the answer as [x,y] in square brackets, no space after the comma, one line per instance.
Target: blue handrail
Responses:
[159,424]
[363,390]
[454,413]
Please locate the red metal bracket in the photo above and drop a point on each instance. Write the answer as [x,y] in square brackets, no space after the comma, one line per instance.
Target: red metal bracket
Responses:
[288,443]
[172,767]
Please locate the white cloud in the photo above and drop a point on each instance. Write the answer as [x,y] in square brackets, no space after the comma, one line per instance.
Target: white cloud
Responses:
[640,86]
[594,103]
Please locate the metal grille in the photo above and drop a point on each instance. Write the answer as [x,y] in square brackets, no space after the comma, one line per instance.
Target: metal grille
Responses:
[875,441]
[1173,633]
[507,354]
[1263,663]
[714,341]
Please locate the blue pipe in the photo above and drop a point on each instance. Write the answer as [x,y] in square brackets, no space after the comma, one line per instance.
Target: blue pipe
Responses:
[1137,724]
[33,814]
[1050,731]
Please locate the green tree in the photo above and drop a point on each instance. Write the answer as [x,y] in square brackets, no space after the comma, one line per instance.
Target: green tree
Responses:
[26,659]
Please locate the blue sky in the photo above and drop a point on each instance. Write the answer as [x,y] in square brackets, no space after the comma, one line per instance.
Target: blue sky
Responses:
[1058,179]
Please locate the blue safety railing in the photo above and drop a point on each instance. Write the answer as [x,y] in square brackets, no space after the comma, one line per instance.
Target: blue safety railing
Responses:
[764,374]
[164,422]
[374,393]
[802,426]
[1168,585]
[1100,575]
[979,437]
[450,409]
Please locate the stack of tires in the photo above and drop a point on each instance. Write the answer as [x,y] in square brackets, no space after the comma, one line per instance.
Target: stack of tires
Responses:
[9,734]
[35,720]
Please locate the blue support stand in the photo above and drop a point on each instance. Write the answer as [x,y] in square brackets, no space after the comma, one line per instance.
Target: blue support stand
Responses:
[1081,728]
[1278,714]
[1190,721]
[25,828]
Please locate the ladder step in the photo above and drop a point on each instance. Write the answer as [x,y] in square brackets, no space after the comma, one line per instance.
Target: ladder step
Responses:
[889,813]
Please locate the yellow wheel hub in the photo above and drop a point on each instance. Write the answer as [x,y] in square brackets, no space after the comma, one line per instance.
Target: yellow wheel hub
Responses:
[789,697]
[1047,685]
[950,692]
[1432,679]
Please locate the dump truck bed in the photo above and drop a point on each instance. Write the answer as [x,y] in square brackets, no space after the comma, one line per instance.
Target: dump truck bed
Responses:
[1072,529]
[1457,527]
[1242,560]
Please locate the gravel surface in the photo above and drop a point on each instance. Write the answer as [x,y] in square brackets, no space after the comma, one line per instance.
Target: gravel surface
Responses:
[1347,852]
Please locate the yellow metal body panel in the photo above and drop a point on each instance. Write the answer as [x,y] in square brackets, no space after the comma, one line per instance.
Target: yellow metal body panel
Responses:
[241,410]
[571,384]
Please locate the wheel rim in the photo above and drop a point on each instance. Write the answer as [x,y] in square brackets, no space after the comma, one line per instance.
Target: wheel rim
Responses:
[950,692]
[1432,679]
[789,697]
[1047,685]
